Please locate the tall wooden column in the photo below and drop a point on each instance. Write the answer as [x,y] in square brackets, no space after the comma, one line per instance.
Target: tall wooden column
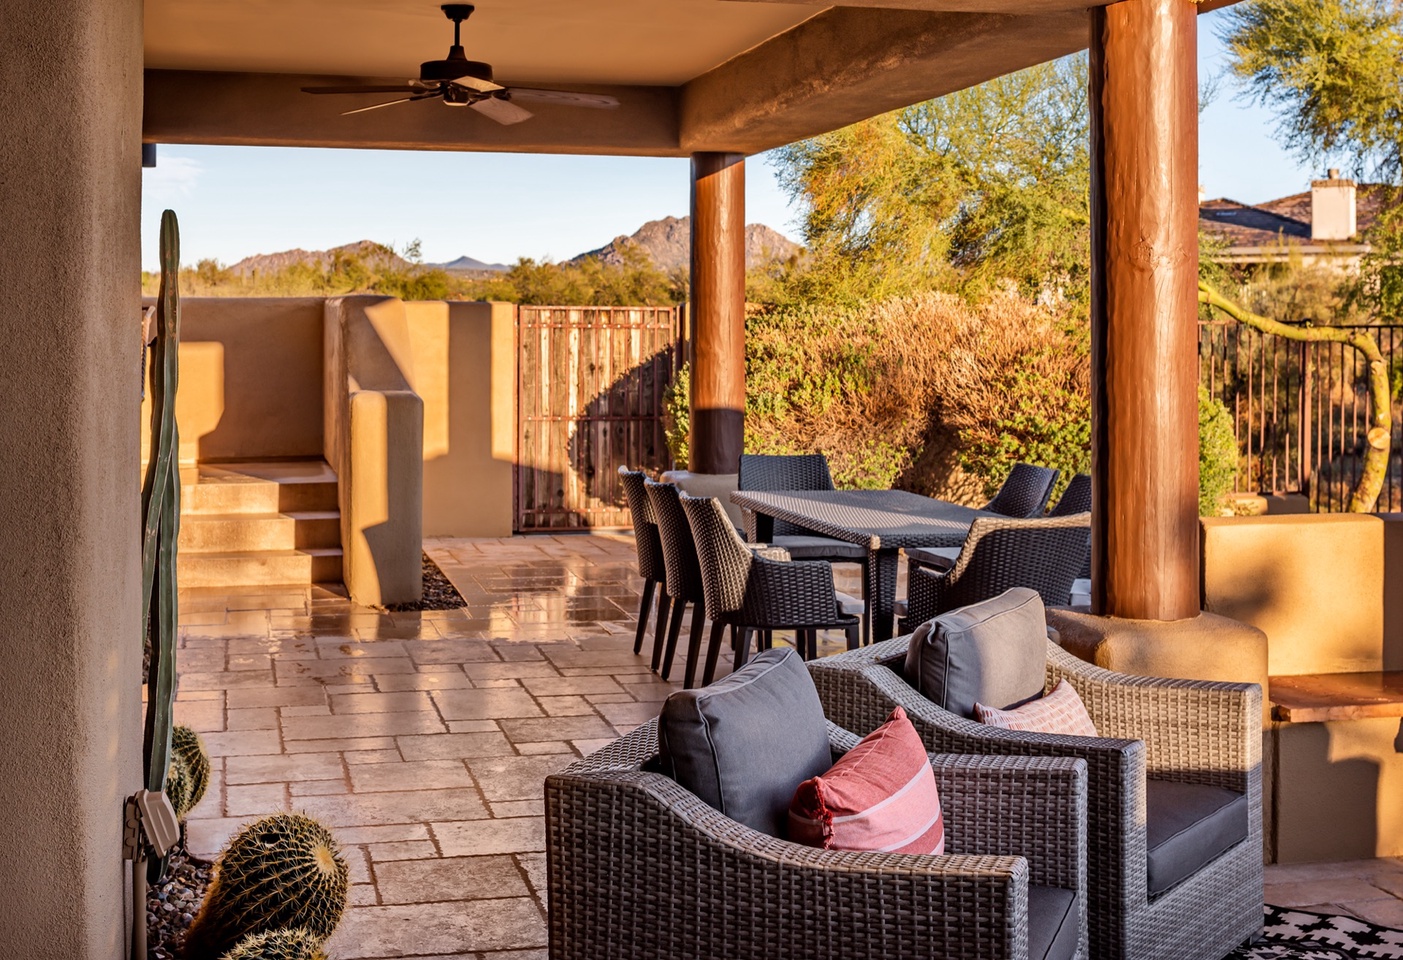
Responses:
[1144,215]
[718,312]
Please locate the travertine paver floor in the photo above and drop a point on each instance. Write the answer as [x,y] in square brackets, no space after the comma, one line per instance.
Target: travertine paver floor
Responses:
[423,739]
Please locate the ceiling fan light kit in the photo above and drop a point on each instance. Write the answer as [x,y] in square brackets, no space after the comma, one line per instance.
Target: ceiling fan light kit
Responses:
[460,82]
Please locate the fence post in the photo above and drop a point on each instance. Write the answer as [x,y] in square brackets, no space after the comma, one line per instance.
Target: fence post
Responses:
[1307,460]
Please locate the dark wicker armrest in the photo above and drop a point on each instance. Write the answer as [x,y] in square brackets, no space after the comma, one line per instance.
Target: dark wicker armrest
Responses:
[794,594]
[923,586]
[1032,806]
[1196,730]
[640,868]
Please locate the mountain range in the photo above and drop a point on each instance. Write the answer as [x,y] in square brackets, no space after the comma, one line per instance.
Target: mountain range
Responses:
[666,242]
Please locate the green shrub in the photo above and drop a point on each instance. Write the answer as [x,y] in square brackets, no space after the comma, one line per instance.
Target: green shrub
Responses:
[1217,454]
[677,417]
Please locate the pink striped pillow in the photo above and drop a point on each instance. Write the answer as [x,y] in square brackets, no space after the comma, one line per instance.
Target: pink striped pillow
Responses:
[880,795]
[1060,711]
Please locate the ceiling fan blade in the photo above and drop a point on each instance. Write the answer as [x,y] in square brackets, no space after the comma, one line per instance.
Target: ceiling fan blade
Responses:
[391,103]
[501,110]
[478,86]
[402,88]
[564,97]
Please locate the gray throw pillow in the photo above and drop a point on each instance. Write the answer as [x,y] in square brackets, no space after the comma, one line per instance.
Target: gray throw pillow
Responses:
[744,743]
[993,652]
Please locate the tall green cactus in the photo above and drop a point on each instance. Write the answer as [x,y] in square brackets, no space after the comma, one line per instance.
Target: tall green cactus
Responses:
[160,514]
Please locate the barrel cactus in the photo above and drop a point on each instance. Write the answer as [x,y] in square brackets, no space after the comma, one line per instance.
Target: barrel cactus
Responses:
[281,872]
[189,748]
[179,787]
[295,944]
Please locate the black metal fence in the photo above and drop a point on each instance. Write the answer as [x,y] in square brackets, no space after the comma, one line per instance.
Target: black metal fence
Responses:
[1300,410]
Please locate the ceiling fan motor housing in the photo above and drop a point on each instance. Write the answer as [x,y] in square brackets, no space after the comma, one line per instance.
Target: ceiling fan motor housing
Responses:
[457,65]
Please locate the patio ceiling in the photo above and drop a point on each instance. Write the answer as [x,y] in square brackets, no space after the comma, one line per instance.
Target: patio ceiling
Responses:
[690,75]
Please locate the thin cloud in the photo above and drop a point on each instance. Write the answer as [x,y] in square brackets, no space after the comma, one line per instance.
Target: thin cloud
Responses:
[173,178]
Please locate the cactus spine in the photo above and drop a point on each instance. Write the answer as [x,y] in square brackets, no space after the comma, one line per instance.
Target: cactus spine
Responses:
[188,750]
[295,944]
[280,872]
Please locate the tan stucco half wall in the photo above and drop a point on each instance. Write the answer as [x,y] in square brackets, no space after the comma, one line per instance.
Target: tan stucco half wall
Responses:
[70,674]
[374,438]
[464,369]
[1314,583]
[250,379]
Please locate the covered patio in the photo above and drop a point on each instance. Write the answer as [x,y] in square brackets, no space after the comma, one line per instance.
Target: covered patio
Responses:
[271,679]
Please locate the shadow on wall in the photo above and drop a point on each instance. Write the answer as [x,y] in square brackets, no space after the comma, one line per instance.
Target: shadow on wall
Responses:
[1328,804]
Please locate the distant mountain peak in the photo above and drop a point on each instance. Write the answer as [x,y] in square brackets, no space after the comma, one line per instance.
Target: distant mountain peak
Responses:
[668,244]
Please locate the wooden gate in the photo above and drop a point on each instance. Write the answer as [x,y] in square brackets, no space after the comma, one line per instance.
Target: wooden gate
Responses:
[590,384]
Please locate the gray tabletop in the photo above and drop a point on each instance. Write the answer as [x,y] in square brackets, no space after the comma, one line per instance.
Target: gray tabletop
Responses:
[877,519]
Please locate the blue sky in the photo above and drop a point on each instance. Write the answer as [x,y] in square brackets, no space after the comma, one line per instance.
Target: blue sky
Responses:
[238,201]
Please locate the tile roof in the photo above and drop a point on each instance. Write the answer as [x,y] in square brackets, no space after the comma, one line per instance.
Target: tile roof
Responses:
[1283,220]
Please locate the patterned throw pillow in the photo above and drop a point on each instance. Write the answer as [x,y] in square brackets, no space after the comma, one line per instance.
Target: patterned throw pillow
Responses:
[1061,711]
[880,795]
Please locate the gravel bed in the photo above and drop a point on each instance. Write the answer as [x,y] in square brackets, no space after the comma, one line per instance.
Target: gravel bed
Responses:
[439,592]
[172,903]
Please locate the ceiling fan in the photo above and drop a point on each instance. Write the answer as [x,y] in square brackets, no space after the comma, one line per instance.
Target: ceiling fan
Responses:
[460,82]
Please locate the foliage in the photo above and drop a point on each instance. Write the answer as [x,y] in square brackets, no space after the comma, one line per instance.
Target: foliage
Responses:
[294,944]
[279,872]
[979,189]
[677,417]
[1217,454]
[635,281]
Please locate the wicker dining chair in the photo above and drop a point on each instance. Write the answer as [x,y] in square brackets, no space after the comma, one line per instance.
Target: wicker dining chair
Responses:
[683,575]
[1045,554]
[1077,499]
[639,868]
[651,564]
[1160,740]
[801,472]
[1025,491]
[762,590]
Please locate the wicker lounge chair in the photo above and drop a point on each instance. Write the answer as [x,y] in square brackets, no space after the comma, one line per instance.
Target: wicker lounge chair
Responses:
[1161,741]
[638,868]
[650,558]
[761,590]
[1025,491]
[1044,554]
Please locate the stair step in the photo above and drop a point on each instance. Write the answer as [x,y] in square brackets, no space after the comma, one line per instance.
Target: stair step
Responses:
[258,488]
[241,532]
[270,567]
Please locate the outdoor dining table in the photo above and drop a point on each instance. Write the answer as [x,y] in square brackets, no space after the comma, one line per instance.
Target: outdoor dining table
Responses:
[883,521]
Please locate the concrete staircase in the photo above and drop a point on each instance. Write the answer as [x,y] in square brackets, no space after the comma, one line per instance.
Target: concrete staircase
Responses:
[273,523]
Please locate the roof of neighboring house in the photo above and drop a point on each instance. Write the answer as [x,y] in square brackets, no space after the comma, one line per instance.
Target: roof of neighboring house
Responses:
[1284,220]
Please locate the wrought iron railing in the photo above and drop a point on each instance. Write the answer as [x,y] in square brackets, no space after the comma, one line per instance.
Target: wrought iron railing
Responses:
[1301,410]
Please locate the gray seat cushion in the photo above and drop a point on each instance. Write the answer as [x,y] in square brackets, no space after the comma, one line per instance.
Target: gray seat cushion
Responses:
[939,558]
[1186,826]
[1052,923]
[746,742]
[993,652]
[820,548]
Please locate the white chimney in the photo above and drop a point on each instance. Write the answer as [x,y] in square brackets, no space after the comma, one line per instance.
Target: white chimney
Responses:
[1332,210]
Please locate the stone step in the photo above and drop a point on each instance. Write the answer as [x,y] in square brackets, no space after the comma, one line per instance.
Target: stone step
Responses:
[268,567]
[243,532]
[257,487]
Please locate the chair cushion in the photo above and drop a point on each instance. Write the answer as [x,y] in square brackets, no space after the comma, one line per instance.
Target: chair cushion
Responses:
[993,652]
[746,741]
[880,795]
[1061,711]
[1186,826]
[940,558]
[820,548]
[1052,923]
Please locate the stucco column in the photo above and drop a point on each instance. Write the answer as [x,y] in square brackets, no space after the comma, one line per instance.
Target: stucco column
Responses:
[718,312]
[70,399]
[1144,216]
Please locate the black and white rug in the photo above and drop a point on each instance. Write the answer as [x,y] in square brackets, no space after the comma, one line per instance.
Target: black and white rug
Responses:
[1301,935]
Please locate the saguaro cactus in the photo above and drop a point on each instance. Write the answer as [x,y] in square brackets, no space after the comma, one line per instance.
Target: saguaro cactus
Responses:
[160,514]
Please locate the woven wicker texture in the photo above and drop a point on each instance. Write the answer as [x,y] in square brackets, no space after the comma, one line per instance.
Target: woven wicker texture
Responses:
[1025,491]
[649,548]
[1044,554]
[640,869]
[1075,499]
[1184,730]
[807,471]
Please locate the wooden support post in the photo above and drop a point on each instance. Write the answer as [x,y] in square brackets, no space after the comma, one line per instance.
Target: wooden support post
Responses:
[718,312]
[1144,190]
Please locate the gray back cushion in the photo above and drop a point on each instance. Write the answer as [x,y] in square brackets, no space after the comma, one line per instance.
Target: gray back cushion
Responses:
[993,652]
[746,742]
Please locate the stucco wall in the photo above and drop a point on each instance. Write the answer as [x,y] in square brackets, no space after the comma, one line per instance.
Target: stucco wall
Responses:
[464,368]
[70,699]
[250,379]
